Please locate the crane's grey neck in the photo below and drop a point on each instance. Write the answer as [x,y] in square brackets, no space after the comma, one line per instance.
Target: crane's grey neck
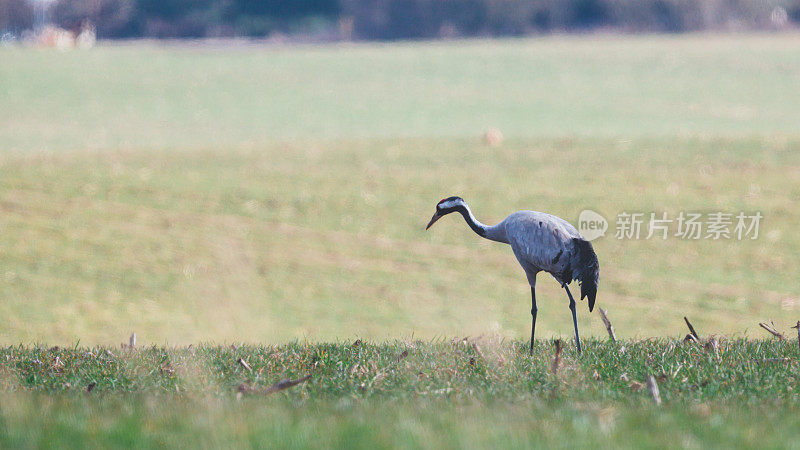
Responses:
[494,233]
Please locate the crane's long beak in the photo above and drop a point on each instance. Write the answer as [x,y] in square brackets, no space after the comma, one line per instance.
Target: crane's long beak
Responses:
[436,216]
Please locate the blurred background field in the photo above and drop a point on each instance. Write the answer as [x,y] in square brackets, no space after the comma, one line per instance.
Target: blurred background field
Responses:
[133,96]
[269,193]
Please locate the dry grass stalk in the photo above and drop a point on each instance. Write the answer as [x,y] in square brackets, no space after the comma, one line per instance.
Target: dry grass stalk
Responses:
[478,351]
[797,327]
[607,322]
[691,328]
[712,345]
[652,387]
[770,327]
[557,357]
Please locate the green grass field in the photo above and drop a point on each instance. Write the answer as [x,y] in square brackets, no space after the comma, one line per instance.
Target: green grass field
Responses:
[462,394]
[211,195]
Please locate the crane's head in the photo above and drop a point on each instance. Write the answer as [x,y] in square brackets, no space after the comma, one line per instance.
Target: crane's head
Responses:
[445,207]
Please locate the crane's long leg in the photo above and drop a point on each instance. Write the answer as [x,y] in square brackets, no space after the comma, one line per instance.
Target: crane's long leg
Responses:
[534,310]
[574,318]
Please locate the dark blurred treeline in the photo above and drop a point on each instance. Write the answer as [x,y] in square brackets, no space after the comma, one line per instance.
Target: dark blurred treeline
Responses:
[15,16]
[399,19]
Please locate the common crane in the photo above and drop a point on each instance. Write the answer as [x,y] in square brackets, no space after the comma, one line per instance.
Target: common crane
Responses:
[541,242]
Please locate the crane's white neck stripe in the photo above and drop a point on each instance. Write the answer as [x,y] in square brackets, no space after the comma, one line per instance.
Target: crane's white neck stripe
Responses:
[494,233]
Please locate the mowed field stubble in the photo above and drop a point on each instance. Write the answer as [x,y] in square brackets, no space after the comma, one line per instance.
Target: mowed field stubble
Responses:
[267,204]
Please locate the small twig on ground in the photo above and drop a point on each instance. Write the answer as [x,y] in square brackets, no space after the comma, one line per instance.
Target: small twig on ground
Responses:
[691,328]
[402,355]
[652,386]
[286,384]
[277,387]
[777,360]
[244,364]
[609,327]
[770,327]
[557,358]
[797,327]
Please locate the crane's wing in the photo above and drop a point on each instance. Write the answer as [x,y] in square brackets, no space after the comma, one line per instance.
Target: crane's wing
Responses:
[541,241]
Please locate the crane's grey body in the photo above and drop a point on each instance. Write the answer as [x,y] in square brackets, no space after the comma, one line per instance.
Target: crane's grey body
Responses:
[540,242]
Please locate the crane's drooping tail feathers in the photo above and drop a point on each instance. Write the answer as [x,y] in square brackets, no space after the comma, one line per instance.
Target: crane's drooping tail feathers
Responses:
[588,270]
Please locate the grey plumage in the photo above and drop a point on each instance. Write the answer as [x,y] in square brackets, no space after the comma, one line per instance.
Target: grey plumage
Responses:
[540,242]
[543,242]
